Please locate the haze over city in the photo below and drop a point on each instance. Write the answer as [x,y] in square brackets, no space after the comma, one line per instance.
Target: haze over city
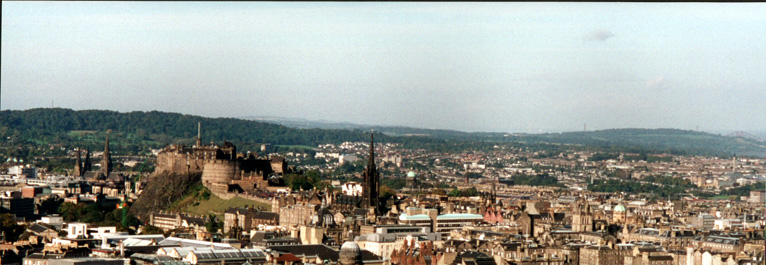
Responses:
[502,67]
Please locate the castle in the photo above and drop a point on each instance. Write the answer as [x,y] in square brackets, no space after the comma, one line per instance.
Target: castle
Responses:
[223,170]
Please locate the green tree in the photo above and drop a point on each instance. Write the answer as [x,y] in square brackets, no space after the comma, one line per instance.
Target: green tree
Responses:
[151,230]
[9,227]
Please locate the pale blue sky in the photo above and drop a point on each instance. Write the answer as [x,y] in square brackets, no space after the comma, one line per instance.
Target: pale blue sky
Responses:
[507,67]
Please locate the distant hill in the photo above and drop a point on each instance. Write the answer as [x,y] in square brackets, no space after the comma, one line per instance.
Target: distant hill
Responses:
[672,140]
[669,140]
[388,130]
[156,129]
[138,131]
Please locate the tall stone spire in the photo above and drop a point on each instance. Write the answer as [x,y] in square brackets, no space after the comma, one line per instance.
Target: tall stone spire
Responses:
[106,162]
[78,170]
[87,165]
[371,187]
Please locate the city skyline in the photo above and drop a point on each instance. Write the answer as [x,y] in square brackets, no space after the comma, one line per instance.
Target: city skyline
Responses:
[503,67]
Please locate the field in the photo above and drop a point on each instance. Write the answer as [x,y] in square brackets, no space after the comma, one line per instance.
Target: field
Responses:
[296,146]
[218,206]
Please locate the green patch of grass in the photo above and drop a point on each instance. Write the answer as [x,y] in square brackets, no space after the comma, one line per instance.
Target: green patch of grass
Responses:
[80,132]
[725,197]
[297,146]
[218,206]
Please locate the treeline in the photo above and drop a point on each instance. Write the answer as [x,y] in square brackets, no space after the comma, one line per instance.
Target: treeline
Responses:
[536,180]
[630,186]
[162,127]
[671,141]
[745,190]
[138,131]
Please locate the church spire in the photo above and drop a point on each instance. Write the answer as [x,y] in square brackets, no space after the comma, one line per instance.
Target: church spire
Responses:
[371,162]
[78,167]
[371,187]
[106,162]
[87,165]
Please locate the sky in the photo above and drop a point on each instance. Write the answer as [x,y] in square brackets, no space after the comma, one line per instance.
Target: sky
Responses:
[500,67]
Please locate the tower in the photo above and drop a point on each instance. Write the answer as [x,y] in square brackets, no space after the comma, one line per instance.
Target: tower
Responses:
[582,219]
[87,165]
[371,187]
[106,162]
[78,168]
[411,183]
[199,135]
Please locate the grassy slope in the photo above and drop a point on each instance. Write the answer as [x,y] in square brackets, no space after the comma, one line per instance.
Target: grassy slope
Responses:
[218,206]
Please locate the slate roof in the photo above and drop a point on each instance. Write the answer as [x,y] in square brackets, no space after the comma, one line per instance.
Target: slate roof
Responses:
[320,250]
[37,228]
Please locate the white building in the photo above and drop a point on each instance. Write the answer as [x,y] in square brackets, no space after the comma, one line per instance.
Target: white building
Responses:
[342,159]
[351,189]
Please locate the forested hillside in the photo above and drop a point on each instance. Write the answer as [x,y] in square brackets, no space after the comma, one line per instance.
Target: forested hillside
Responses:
[139,131]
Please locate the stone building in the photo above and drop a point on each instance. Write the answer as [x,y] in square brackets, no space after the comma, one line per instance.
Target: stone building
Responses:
[603,255]
[297,214]
[223,170]
[582,217]
[170,221]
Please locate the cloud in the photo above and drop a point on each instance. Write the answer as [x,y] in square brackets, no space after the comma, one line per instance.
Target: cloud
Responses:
[599,35]
[656,82]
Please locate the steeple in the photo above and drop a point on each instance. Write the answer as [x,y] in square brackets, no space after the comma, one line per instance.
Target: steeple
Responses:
[78,168]
[371,162]
[87,165]
[371,187]
[106,162]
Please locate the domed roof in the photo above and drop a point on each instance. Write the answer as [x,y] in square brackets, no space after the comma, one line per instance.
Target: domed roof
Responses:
[350,248]
[411,174]
[619,208]
[350,253]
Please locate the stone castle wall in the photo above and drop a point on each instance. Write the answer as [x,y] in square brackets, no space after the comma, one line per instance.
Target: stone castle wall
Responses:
[183,160]
[178,163]
[220,167]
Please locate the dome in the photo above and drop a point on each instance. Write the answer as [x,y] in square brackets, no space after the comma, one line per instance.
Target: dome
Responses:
[350,253]
[619,208]
[411,174]
[350,247]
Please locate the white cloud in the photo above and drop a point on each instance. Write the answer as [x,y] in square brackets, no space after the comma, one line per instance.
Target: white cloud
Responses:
[599,35]
[656,82]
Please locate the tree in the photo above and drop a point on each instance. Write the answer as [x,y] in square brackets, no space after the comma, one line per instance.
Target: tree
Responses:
[9,227]
[213,224]
[151,230]
[386,192]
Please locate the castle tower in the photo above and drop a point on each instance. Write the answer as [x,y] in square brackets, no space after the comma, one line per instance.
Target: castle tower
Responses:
[106,162]
[371,187]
